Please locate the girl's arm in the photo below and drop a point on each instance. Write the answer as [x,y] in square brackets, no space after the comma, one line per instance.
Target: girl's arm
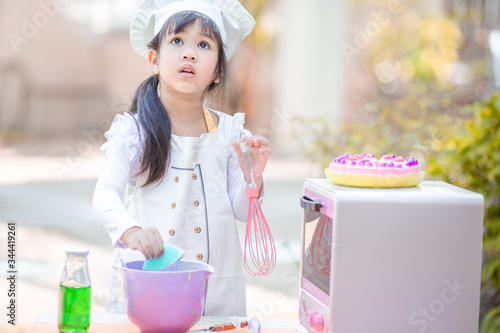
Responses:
[236,184]
[236,179]
[122,151]
[122,228]
[108,194]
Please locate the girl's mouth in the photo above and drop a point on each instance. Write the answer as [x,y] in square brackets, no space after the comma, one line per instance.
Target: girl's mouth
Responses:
[187,71]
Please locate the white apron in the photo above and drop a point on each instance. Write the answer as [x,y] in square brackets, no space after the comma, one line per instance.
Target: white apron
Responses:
[191,209]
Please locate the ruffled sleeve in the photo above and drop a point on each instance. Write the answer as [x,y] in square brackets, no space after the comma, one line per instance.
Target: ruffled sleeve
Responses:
[125,135]
[238,120]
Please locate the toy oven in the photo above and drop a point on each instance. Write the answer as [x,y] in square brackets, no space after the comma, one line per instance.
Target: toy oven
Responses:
[390,260]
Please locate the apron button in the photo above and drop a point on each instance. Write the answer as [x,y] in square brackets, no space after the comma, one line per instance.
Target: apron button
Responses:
[176,179]
[194,176]
[199,256]
[171,232]
[172,205]
[196,203]
[197,230]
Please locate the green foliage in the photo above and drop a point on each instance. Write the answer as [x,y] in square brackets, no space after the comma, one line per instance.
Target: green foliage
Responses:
[491,322]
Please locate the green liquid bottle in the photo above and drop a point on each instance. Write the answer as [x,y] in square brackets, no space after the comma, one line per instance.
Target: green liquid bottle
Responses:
[75,293]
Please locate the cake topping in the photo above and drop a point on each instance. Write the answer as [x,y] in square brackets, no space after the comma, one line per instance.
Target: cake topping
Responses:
[368,165]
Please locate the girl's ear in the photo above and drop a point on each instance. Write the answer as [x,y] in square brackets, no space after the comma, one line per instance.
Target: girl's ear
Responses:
[153,60]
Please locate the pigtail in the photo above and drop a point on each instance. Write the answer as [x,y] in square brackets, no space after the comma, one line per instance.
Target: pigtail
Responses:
[157,128]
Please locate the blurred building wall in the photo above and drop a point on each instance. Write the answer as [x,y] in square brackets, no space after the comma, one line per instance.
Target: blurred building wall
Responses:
[56,76]
[310,68]
[309,61]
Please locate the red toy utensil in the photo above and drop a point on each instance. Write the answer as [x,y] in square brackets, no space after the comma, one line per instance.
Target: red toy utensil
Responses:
[260,251]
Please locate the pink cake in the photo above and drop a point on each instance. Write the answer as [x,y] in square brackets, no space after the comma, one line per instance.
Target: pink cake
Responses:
[368,165]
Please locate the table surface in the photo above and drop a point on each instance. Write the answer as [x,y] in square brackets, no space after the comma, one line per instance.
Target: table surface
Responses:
[101,323]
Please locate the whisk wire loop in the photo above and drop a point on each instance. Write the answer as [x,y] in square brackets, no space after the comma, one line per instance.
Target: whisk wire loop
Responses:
[260,250]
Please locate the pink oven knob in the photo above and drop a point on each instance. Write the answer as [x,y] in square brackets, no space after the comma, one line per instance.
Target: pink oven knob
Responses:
[318,322]
[315,320]
[310,318]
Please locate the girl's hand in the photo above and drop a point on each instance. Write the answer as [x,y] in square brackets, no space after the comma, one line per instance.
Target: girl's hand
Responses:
[259,152]
[147,240]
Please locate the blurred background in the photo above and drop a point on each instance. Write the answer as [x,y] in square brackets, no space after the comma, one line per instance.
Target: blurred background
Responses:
[318,78]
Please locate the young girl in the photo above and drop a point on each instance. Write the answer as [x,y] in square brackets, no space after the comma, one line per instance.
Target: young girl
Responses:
[174,168]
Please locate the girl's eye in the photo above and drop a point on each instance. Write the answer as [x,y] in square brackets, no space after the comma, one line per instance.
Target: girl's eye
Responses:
[204,45]
[177,41]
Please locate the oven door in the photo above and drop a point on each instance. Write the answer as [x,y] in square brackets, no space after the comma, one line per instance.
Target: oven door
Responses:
[316,262]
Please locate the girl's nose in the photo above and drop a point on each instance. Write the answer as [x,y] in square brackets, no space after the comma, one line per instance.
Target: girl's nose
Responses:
[189,55]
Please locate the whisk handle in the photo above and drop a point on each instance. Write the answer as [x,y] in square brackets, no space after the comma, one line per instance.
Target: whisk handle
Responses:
[252,192]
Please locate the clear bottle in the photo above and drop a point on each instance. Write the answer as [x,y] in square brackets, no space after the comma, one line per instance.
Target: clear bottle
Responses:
[74,293]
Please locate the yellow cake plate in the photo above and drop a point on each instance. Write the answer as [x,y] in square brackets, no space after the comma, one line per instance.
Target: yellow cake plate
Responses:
[374,181]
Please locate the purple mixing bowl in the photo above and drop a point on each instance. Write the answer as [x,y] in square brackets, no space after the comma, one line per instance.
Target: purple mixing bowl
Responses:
[169,300]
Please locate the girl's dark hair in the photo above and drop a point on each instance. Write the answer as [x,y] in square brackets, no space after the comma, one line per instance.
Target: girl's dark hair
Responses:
[153,117]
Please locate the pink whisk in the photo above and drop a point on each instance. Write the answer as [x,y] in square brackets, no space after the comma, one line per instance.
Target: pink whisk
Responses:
[260,251]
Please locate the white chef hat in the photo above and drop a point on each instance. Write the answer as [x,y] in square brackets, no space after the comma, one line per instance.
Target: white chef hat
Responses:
[233,21]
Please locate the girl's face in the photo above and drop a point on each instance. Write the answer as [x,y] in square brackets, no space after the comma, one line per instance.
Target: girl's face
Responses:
[186,60]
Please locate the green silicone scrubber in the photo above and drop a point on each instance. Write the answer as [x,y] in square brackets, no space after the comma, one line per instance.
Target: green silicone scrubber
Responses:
[171,255]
